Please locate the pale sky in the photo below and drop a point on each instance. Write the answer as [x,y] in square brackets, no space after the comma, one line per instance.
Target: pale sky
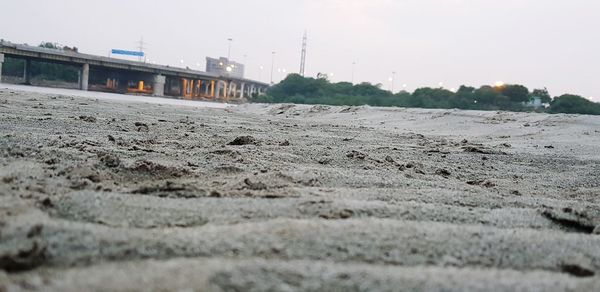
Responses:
[537,43]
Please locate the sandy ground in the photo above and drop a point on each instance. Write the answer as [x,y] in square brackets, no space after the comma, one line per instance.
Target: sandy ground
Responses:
[105,195]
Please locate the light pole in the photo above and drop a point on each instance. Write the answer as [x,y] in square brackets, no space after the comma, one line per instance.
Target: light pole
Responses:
[229,49]
[353,64]
[272,65]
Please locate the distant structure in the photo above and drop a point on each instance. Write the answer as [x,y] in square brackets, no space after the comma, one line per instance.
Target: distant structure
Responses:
[141,47]
[303,56]
[224,67]
[536,103]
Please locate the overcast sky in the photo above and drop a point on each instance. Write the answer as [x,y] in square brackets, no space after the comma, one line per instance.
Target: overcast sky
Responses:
[538,43]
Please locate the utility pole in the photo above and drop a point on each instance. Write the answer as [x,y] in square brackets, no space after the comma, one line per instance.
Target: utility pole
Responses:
[272,65]
[303,55]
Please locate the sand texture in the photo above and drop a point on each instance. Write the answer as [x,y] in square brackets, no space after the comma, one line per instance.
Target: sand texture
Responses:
[108,195]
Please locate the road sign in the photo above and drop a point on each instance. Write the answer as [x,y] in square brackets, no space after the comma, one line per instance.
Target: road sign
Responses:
[128,53]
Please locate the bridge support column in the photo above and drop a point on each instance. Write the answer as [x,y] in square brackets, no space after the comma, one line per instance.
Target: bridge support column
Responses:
[212,89]
[217,94]
[242,90]
[158,88]
[1,61]
[198,91]
[231,90]
[27,72]
[85,77]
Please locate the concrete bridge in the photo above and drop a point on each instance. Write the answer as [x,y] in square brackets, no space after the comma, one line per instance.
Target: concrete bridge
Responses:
[124,76]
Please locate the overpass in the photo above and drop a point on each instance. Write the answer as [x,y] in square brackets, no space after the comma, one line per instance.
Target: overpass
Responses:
[124,76]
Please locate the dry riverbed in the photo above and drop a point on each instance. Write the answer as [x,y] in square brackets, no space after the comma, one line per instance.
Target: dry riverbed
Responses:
[118,196]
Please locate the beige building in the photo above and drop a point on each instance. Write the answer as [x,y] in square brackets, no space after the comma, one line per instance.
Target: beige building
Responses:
[224,67]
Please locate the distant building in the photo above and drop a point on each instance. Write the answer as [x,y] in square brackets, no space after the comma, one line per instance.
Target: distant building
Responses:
[224,67]
[536,103]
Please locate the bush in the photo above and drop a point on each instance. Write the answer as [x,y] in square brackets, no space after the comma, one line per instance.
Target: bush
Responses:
[574,104]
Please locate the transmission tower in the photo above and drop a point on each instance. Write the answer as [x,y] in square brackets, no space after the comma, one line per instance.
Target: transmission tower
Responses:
[303,56]
[141,46]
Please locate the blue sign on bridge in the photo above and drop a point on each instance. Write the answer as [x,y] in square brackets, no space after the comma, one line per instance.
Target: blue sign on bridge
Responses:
[128,53]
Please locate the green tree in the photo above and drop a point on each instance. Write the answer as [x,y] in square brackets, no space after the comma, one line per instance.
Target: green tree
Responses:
[516,93]
[542,94]
[574,104]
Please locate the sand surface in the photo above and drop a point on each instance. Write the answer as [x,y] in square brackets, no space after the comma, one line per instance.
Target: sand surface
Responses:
[103,194]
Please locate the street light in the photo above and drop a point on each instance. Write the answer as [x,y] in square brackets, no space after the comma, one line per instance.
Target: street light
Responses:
[353,64]
[272,65]
[229,49]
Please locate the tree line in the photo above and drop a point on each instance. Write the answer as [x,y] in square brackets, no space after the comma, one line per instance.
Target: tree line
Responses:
[513,97]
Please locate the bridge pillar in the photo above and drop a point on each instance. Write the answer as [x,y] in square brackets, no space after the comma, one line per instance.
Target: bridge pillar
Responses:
[85,77]
[1,61]
[158,88]
[217,94]
[27,72]
[212,89]
[242,90]
[230,90]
